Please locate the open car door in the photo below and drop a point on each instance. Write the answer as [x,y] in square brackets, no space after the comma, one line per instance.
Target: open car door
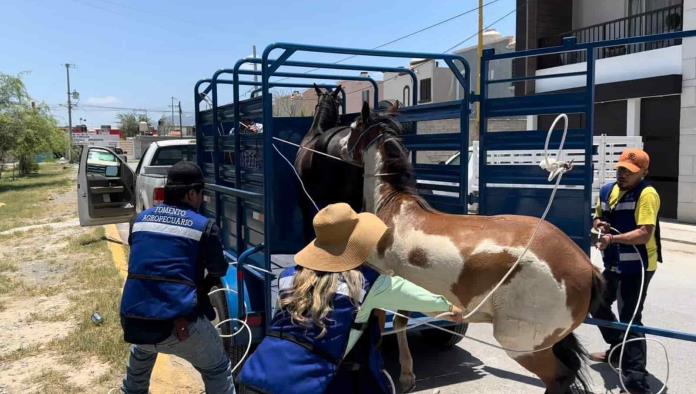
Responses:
[105,188]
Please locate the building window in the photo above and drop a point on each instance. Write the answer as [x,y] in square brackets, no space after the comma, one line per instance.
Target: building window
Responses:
[406,99]
[366,96]
[425,88]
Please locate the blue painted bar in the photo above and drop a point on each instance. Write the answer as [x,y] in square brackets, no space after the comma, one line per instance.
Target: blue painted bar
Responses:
[354,67]
[535,105]
[569,45]
[661,332]
[536,77]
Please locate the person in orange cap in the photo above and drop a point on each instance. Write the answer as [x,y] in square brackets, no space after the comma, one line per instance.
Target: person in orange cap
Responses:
[627,218]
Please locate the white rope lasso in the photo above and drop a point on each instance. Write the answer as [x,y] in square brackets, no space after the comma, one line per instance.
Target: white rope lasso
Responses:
[428,322]
[541,219]
[555,166]
[558,174]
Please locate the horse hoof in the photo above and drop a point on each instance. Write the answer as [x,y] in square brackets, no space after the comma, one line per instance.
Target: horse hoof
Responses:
[408,383]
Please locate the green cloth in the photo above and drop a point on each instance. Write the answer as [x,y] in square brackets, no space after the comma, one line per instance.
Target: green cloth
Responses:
[394,292]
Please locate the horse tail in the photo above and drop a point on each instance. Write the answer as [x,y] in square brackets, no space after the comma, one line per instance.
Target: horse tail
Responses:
[573,355]
[598,288]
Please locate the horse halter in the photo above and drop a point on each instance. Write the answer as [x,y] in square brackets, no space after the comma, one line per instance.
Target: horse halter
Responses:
[385,132]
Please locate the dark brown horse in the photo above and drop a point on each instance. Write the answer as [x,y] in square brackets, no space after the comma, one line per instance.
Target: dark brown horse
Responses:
[327,180]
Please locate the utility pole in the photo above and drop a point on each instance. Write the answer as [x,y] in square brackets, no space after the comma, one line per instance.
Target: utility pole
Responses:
[70,136]
[479,54]
[172,118]
[253,54]
[181,128]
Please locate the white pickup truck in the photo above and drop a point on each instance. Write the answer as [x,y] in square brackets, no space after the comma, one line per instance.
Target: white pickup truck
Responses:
[109,191]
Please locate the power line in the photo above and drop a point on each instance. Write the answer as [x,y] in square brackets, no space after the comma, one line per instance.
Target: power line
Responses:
[480,32]
[447,50]
[405,36]
[94,107]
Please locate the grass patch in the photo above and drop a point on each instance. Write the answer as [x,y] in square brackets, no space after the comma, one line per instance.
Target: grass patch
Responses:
[7,266]
[101,285]
[51,381]
[26,198]
[7,284]
[42,317]
[21,353]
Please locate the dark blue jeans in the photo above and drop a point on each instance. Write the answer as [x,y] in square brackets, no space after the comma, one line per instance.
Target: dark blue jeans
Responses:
[626,288]
[203,349]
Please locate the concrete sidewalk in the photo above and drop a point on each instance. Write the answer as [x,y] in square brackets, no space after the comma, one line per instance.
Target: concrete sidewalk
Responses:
[678,232]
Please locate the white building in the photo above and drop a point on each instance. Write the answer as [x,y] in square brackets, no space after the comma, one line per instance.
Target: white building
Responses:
[644,89]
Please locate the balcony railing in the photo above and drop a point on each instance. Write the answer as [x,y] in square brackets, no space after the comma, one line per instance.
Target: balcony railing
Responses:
[663,20]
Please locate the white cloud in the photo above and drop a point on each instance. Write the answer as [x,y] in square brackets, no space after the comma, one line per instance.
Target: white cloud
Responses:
[104,100]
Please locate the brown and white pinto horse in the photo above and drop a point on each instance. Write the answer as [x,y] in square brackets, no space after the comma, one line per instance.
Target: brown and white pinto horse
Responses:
[464,256]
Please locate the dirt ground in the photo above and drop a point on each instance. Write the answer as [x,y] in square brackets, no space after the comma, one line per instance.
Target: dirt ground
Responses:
[53,275]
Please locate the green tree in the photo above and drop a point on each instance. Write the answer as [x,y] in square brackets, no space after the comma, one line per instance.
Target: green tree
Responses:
[129,121]
[25,129]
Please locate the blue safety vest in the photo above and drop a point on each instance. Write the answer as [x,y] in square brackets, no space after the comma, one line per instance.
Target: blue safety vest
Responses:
[620,258]
[162,269]
[291,359]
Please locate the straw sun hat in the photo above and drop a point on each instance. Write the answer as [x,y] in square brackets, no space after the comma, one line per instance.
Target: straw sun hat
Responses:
[344,240]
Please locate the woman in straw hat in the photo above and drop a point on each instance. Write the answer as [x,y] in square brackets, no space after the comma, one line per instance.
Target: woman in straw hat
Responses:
[324,337]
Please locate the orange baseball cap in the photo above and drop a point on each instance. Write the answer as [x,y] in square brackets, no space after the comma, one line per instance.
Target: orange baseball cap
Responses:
[634,160]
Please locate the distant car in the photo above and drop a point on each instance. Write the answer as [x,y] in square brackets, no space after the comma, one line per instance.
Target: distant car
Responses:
[121,153]
[110,192]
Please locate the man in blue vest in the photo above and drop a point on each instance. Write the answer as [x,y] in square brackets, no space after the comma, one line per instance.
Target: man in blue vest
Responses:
[165,306]
[630,206]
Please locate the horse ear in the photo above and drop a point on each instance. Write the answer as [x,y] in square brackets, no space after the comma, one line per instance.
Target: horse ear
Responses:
[394,108]
[338,89]
[365,113]
[316,89]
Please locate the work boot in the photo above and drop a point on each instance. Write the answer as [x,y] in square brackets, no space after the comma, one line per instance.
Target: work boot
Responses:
[639,388]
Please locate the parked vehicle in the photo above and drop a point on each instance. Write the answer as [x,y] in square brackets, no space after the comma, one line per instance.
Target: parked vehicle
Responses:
[151,172]
[121,153]
[607,150]
[109,191]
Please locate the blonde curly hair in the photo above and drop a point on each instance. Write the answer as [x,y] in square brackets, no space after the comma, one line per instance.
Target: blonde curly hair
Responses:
[309,300]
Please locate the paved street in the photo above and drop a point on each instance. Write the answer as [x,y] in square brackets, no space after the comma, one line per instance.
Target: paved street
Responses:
[475,367]
[472,367]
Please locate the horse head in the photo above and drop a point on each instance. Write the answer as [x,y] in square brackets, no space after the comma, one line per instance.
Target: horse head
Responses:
[326,112]
[380,130]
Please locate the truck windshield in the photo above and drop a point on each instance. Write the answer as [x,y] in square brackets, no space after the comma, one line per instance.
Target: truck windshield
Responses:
[170,155]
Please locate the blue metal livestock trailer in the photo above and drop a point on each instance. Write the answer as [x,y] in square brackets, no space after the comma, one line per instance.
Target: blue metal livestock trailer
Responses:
[255,202]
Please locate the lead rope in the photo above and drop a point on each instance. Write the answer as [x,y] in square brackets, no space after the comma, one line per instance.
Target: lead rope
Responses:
[556,168]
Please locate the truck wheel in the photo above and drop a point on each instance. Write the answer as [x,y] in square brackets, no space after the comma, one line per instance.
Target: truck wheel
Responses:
[219,302]
[442,339]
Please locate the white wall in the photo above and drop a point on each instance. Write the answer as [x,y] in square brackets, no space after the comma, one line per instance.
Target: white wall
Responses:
[658,62]
[394,87]
[686,199]
[592,12]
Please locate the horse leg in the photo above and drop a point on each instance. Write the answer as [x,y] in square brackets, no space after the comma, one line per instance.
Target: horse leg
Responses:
[558,367]
[407,377]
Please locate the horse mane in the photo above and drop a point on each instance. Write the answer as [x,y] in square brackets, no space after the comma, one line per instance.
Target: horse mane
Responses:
[327,107]
[396,161]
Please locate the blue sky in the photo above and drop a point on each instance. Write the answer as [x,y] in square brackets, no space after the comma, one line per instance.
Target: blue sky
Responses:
[137,54]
